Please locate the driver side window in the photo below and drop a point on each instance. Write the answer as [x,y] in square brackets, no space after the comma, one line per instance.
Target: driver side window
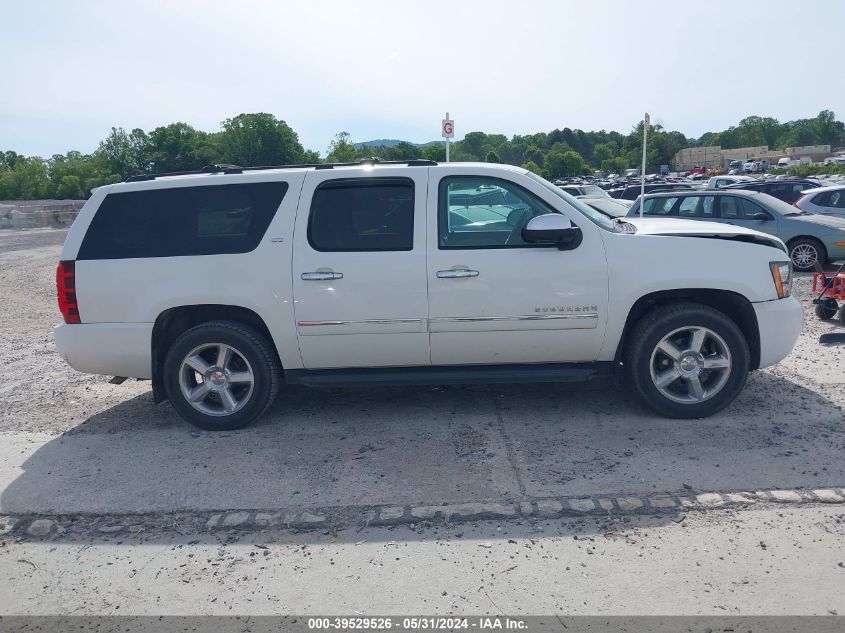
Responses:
[483,212]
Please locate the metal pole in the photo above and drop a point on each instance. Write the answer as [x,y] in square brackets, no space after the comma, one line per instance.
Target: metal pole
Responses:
[642,171]
[447,141]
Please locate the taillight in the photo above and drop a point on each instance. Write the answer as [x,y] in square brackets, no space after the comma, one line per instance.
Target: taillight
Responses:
[66,291]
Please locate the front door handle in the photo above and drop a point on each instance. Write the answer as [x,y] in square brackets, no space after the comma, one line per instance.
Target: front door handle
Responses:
[321,276]
[456,274]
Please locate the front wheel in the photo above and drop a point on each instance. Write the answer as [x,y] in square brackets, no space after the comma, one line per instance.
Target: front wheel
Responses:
[687,360]
[805,253]
[221,375]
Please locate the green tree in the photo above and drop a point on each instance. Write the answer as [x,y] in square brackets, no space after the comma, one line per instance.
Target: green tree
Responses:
[435,152]
[178,147]
[604,151]
[73,175]
[28,179]
[533,154]
[472,146]
[560,163]
[532,167]
[341,149]
[614,165]
[311,157]
[69,188]
[828,129]
[492,157]
[125,153]
[252,140]
[800,135]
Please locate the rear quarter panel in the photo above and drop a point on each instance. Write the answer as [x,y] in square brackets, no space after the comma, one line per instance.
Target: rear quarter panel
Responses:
[138,290]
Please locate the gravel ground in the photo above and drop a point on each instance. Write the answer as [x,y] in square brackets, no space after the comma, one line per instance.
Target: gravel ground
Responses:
[74,444]
[36,380]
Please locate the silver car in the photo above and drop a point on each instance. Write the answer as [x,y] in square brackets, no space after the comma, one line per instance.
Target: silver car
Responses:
[810,237]
[824,200]
[611,207]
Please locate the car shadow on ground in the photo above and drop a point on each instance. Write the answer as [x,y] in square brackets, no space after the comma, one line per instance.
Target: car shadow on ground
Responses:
[431,445]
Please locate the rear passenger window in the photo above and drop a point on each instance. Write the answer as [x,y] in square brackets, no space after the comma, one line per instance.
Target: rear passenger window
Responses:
[362,214]
[781,192]
[179,221]
[696,207]
[822,199]
[796,191]
[658,206]
[736,208]
[835,199]
[730,207]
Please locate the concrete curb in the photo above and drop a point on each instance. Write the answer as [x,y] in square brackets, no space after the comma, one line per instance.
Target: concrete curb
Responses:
[45,526]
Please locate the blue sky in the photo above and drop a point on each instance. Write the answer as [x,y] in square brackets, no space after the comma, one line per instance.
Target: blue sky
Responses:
[72,69]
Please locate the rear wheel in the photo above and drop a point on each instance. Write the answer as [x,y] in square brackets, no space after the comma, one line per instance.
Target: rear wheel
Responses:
[221,375]
[687,360]
[805,253]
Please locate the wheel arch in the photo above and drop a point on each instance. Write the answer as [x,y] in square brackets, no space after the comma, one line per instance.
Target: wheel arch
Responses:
[792,241]
[731,304]
[173,321]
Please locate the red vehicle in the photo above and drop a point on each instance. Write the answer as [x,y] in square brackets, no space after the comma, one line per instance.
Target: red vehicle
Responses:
[830,287]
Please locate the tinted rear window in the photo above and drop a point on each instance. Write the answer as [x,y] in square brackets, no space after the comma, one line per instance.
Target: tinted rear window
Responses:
[363,214]
[210,220]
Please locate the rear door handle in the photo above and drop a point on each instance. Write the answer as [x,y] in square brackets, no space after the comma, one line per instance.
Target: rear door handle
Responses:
[456,274]
[321,276]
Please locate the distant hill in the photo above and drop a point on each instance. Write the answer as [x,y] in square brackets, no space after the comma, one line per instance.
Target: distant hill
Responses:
[390,142]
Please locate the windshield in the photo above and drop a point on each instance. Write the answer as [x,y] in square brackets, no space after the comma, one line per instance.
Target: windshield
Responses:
[595,192]
[591,214]
[779,206]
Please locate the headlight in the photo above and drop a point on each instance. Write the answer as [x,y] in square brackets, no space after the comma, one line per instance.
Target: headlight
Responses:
[782,276]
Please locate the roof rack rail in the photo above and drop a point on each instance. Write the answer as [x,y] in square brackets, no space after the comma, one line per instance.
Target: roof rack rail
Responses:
[236,169]
[208,169]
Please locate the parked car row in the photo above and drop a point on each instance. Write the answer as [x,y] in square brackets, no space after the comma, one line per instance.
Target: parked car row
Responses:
[810,238]
[787,190]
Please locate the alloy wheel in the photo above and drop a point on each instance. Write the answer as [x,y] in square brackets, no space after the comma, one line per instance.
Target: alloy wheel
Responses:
[216,379]
[804,256]
[690,365]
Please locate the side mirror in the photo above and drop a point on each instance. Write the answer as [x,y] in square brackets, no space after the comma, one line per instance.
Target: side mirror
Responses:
[760,216]
[555,228]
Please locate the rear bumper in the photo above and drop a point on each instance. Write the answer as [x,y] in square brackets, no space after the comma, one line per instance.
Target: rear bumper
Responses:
[780,323]
[113,349]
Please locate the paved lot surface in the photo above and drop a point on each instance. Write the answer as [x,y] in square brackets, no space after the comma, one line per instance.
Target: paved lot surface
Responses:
[71,443]
[786,560]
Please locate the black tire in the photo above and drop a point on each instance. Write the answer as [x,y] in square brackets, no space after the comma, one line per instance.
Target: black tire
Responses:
[651,330]
[248,345]
[800,248]
[826,309]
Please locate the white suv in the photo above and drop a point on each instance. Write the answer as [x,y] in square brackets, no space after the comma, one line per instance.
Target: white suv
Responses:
[223,284]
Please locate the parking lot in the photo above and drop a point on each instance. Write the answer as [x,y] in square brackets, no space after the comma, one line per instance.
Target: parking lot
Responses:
[84,456]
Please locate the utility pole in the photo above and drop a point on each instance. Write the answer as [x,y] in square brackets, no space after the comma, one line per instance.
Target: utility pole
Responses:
[642,171]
